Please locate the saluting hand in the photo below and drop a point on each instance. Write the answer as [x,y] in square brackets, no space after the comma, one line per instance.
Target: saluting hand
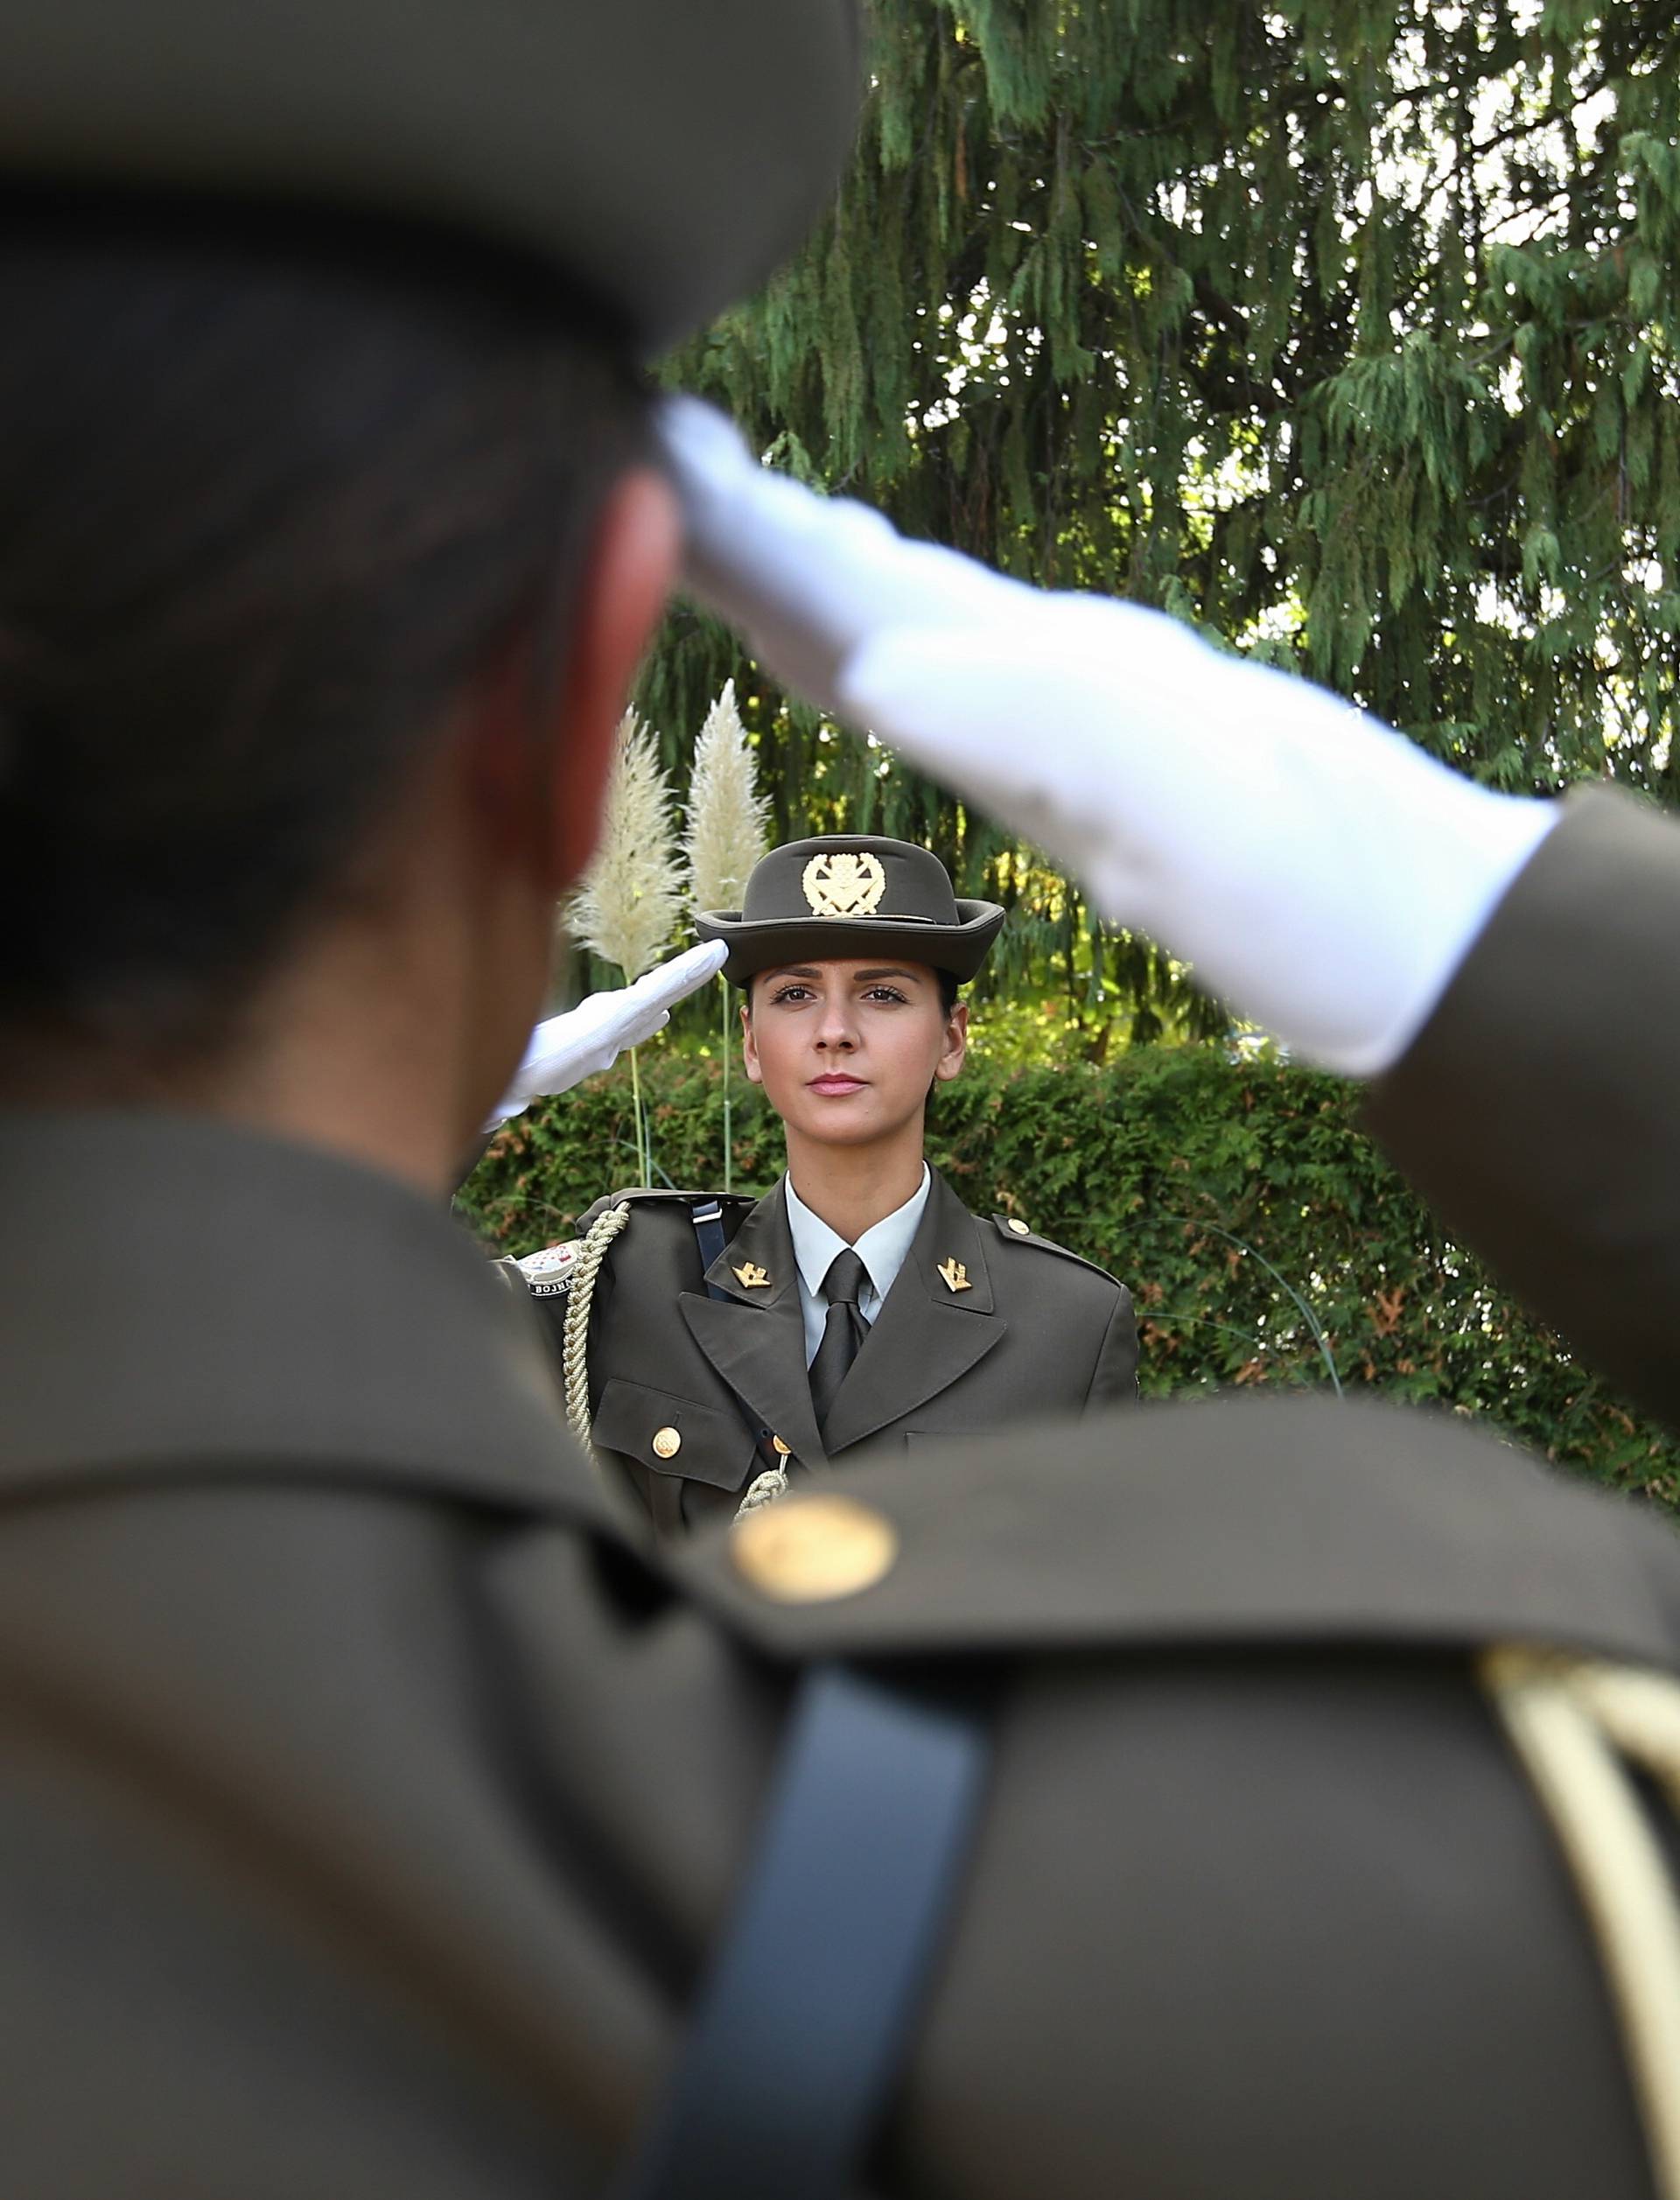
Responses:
[1319,870]
[589,1037]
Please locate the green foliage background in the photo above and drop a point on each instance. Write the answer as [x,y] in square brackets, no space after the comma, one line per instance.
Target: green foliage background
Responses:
[1342,327]
[1345,330]
[1262,1233]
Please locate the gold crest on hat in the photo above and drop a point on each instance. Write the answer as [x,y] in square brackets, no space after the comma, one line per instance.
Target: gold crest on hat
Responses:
[840,883]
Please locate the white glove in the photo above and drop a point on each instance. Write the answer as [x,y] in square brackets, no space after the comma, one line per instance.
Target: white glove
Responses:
[589,1037]
[1320,871]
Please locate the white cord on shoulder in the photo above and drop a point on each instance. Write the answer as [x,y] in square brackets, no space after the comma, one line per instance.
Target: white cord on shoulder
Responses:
[763,1489]
[575,1345]
[1577,1724]
[598,1241]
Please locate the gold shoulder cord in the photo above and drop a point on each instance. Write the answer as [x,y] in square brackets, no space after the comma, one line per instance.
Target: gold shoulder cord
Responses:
[574,1353]
[1577,1724]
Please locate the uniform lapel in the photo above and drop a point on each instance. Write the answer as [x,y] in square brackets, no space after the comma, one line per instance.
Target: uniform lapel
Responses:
[755,1337]
[926,1334]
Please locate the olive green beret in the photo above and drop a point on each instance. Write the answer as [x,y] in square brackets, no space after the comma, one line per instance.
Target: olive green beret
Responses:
[664,154]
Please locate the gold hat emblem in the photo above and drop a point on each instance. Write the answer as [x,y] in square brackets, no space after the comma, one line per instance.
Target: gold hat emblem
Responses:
[844,884]
[752,1276]
[956,1275]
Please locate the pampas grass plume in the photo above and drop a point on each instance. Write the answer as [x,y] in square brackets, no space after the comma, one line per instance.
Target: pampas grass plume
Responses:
[728,827]
[626,906]
[728,818]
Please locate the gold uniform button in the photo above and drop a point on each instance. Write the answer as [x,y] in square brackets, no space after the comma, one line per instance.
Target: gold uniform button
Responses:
[808,1550]
[781,1450]
[1020,1228]
[666,1444]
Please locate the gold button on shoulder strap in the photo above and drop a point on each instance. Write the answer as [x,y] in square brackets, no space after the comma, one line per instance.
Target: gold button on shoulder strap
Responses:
[1576,1723]
[810,1550]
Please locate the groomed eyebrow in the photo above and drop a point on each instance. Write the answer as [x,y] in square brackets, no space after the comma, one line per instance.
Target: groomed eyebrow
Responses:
[857,977]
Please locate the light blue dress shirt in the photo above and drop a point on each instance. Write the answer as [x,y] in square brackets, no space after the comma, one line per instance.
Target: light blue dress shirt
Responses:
[883,1249]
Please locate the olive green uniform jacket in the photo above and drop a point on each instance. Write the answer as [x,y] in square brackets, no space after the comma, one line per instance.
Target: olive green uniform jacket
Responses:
[696,1373]
[370,1801]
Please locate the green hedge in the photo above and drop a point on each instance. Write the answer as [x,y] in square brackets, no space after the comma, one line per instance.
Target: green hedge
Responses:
[1266,1238]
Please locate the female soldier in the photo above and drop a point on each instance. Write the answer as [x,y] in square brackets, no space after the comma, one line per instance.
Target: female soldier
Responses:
[711,1344]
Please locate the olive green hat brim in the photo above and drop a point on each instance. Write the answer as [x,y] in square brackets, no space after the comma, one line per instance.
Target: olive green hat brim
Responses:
[663,155]
[961,948]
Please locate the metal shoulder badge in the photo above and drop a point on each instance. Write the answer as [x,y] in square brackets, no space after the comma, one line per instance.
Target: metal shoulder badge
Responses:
[548,1273]
[844,884]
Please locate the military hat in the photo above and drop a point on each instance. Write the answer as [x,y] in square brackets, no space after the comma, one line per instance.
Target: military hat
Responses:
[664,155]
[847,894]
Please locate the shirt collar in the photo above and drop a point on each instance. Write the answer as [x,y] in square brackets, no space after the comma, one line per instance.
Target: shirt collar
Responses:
[883,1248]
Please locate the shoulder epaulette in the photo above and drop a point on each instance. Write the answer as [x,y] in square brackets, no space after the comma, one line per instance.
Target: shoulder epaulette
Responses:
[644,1195]
[1014,1231]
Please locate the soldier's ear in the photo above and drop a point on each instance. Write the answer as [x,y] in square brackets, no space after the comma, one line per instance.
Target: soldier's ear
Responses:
[546,801]
[749,1043]
[955,1051]
[627,574]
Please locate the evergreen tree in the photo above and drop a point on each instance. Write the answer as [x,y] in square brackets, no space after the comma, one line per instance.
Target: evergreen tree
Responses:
[1344,328]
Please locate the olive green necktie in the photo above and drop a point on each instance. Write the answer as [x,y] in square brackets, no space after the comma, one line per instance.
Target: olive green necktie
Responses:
[844,1330]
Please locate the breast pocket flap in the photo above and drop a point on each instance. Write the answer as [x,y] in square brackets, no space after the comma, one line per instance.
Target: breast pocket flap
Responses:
[673,1435]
